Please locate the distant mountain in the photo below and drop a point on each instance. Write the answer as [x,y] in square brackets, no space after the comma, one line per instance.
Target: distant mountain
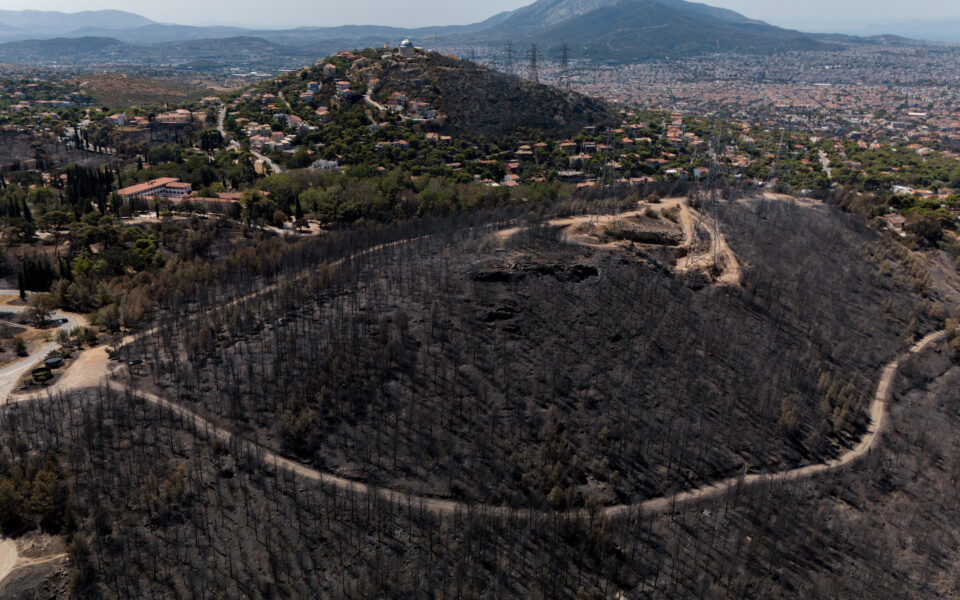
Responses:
[933,30]
[601,30]
[157,33]
[63,50]
[89,51]
[547,13]
[41,23]
[625,30]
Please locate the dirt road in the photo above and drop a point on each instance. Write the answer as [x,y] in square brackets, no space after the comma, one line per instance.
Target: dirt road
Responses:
[8,557]
[878,409]
[93,366]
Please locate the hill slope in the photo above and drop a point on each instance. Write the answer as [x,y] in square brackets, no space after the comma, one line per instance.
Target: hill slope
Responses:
[120,89]
[73,51]
[478,100]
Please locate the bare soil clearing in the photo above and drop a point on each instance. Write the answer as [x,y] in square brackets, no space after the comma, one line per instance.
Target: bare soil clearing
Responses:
[701,249]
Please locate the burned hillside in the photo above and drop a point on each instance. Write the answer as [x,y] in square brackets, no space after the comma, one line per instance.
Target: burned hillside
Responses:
[455,366]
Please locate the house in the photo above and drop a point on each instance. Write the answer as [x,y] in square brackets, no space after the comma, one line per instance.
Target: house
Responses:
[117,120]
[165,187]
[177,117]
[421,109]
[570,176]
[329,70]
[895,221]
[313,86]
[396,101]
[325,165]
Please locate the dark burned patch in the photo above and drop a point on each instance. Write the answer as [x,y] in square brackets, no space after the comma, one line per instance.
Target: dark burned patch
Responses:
[575,273]
[560,272]
[503,312]
[497,276]
[641,236]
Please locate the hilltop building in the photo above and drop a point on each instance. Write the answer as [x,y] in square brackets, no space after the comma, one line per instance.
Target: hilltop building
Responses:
[165,187]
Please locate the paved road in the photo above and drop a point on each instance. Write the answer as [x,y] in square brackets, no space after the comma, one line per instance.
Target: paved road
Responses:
[221,115]
[9,376]
[825,164]
[267,161]
[369,100]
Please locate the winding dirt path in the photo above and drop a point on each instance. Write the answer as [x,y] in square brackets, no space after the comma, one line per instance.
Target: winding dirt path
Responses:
[93,367]
[878,413]
[8,557]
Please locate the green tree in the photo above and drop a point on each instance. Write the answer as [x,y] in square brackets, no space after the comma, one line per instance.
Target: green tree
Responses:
[41,305]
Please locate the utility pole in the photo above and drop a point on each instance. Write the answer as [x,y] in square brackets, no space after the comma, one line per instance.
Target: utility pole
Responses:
[534,75]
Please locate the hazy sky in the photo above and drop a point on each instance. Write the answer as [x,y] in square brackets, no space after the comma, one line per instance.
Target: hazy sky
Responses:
[406,13]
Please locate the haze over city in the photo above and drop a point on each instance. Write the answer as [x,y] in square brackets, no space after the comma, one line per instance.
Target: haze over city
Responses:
[841,14]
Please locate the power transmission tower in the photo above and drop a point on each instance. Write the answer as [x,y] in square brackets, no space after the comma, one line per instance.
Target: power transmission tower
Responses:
[509,64]
[473,55]
[534,75]
[564,65]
